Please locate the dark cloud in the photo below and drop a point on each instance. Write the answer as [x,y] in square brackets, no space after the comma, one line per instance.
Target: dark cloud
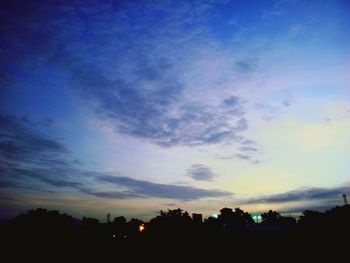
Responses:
[286,103]
[55,177]
[248,149]
[19,141]
[112,194]
[242,156]
[307,194]
[200,172]
[29,155]
[149,189]
[248,142]
[56,182]
[314,205]
[247,64]
[11,184]
[232,101]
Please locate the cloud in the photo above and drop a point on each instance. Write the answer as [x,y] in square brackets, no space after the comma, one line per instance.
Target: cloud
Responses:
[271,111]
[21,174]
[286,103]
[307,194]
[242,156]
[158,112]
[314,206]
[142,94]
[248,149]
[200,172]
[247,156]
[247,65]
[19,141]
[279,8]
[46,121]
[111,194]
[327,119]
[21,178]
[232,101]
[9,184]
[30,156]
[248,142]
[149,189]
[56,182]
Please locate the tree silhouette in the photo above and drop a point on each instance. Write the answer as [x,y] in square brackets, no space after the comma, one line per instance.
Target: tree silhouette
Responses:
[172,223]
[238,216]
[119,220]
[88,221]
[273,217]
[174,228]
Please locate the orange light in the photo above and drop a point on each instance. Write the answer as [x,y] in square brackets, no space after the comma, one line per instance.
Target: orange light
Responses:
[141,228]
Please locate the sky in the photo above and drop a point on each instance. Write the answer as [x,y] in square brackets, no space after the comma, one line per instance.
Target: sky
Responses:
[131,107]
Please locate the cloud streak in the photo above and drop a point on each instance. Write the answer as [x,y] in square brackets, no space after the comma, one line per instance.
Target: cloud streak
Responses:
[307,194]
[21,142]
[149,189]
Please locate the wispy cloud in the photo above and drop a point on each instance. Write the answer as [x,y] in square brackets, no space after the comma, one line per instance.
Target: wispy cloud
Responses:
[112,194]
[248,142]
[247,155]
[248,149]
[247,64]
[279,8]
[142,94]
[307,194]
[20,141]
[29,154]
[149,189]
[269,111]
[10,184]
[286,103]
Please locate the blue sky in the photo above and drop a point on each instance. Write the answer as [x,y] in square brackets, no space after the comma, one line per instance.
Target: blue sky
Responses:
[129,107]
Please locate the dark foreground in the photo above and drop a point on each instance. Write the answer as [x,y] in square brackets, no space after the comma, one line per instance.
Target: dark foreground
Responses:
[42,236]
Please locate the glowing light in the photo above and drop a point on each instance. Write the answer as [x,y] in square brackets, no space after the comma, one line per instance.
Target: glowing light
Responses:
[256,218]
[215,216]
[141,228]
